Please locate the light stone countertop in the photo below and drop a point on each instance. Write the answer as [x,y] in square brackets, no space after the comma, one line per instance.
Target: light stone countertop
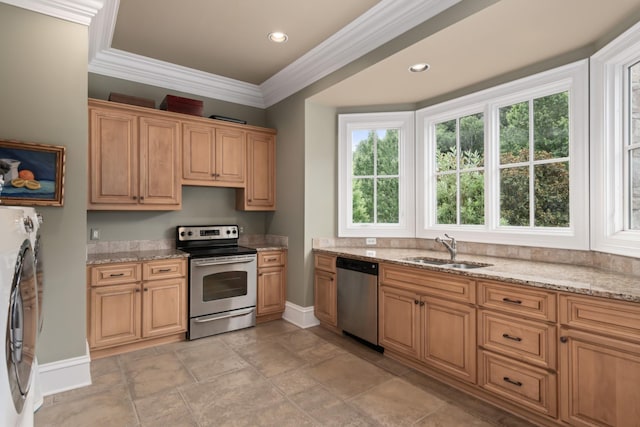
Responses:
[135,256]
[554,276]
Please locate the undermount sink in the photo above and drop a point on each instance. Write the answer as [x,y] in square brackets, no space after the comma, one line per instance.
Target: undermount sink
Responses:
[430,261]
[464,265]
[445,263]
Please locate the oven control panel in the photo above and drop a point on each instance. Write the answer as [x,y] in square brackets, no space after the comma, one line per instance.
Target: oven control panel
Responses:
[207,232]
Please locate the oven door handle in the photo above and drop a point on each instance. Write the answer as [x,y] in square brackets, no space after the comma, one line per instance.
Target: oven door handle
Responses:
[221,262]
[225,315]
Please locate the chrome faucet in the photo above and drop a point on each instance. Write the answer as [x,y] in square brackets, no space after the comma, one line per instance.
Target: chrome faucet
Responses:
[451,246]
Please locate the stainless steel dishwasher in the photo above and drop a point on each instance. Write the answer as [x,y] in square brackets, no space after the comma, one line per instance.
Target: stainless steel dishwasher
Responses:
[358,299]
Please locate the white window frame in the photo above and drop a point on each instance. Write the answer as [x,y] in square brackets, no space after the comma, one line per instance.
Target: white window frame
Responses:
[609,137]
[572,77]
[347,123]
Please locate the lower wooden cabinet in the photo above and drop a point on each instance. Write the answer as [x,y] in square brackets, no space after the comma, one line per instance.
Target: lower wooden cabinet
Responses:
[599,362]
[325,290]
[272,285]
[399,321]
[437,332]
[126,306]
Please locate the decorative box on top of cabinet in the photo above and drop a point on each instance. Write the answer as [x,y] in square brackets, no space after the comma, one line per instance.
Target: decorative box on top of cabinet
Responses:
[134,158]
[135,304]
[272,284]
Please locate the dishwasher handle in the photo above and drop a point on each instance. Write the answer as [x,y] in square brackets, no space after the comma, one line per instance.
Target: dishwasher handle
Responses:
[366,267]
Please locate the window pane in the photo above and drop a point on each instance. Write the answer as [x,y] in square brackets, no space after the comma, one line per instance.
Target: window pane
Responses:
[634,205]
[552,195]
[472,198]
[514,196]
[551,126]
[388,153]
[472,141]
[363,143]
[514,133]
[388,201]
[446,195]
[446,146]
[363,201]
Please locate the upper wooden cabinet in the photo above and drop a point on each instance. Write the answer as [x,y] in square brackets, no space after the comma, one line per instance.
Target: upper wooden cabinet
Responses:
[213,156]
[260,191]
[134,159]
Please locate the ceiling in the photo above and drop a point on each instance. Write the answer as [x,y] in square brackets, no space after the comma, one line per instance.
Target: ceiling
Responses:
[219,48]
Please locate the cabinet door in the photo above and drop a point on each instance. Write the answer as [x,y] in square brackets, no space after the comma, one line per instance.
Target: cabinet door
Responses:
[449,337]
[260,193]
[600,380]
[325,297]
[113,157]
[399,321]
[115,315]
[230,157]
[198,152]
[160,162]
[271,290]
[164,307]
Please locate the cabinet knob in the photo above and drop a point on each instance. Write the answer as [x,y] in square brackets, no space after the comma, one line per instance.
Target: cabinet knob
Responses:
[146,289]
[415,301]
[421,303]
[134,198]
[137,290]
[564,339]
[141,197]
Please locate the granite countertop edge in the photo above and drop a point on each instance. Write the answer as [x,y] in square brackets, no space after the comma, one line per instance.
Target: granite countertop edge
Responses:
[135,256]
[552,276]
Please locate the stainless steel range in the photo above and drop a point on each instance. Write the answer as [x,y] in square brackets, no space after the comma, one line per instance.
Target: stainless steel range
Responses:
[222,279]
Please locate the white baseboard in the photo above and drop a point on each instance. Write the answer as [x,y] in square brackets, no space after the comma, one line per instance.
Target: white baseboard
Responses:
[300,316]
[64,375]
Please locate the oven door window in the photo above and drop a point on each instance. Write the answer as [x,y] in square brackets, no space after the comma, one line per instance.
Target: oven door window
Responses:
[224,285]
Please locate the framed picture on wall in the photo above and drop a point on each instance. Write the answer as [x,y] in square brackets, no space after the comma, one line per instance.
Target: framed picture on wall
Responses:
[33,174]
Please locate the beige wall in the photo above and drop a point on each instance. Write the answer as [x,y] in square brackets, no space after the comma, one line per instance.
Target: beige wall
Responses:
[44,99]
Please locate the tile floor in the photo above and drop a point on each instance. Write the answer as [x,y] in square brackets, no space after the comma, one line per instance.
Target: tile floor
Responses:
[272,375]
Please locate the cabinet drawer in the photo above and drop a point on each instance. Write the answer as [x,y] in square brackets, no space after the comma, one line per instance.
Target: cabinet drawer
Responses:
[271,258]
[525,385]
[527,302]
[614,318]
[325,262]
[163,269]
[115,274]
[448,286]
[529,341]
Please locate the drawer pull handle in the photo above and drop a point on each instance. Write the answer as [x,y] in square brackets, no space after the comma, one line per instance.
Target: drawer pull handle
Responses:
[116,275]
[509,337]
[512,301]
[510,381]
[272,259]
[164,270]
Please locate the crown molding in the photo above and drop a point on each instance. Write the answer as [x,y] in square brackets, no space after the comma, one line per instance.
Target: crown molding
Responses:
[78,11]
[383,22]
[128,66]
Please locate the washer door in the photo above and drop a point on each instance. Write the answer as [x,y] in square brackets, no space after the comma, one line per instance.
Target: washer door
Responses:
[22,326]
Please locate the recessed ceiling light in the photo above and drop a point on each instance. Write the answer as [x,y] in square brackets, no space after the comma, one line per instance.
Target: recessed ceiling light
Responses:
[278,37]
[418,68]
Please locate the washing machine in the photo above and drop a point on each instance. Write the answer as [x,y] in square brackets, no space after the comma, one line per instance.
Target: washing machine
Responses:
[18,318]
